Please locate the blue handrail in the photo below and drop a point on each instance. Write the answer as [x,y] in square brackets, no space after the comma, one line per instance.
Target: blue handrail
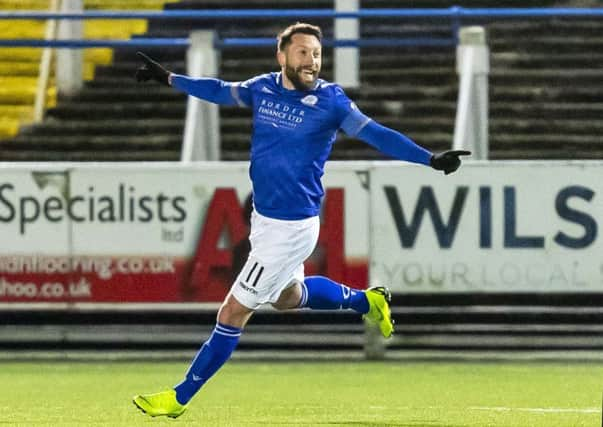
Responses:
[90,43]
[373,42]
[220,44]
[455,13]
[451,12]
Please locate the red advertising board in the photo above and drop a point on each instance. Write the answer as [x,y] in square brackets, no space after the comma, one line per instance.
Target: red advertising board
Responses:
[131,234]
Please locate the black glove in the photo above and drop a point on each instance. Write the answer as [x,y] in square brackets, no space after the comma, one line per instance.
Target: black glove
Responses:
[151,70]
[448,161]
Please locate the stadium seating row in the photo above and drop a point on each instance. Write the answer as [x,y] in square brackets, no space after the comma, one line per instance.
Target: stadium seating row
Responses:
[545,91]
[19,67]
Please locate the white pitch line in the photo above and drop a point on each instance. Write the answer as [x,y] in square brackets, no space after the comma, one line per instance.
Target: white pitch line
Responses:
[551,410]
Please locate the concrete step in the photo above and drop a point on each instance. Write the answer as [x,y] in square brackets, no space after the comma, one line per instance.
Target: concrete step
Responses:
[425,108]
[552,77]
[495,341]
[118,83]
[140,110]
[411,75]
[545,93]
[266,335]
[93,128]
[234,155]
[129,93]
[415,28]
[406,92]
[540,60]
[528,152]
[550,110]
[402,59]
[545,140]
[92,143]
[586,27]
[526,93]
[161,54]
[561,128]
[127,69]
[547,43]
[75,155]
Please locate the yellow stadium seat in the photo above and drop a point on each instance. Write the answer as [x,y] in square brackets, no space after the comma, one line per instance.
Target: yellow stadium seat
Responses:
[19,67]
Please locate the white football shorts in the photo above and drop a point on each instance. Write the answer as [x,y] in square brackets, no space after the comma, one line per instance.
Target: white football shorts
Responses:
[278,251]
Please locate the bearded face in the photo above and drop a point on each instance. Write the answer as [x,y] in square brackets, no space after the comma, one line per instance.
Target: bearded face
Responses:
[301,61]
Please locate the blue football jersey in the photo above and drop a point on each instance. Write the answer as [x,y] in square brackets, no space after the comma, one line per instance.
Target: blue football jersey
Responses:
[293,132]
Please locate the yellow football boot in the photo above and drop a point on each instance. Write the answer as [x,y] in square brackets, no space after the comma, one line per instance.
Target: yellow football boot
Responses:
[379,312]
[160,404]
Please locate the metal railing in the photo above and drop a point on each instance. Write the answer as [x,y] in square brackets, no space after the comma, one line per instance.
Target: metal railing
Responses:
[455,14]
[45,61]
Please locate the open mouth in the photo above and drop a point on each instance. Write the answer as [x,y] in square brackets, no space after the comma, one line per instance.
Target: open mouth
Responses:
[308,73]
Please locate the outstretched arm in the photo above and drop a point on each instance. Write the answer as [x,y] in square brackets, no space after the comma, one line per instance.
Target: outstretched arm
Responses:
[353,122]
[208,89]
[212,90]
[393,143]
[399,146]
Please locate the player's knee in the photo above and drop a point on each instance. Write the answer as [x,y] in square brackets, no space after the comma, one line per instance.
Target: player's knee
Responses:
[233,313]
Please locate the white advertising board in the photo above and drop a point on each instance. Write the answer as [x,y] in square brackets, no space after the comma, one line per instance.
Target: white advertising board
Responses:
[490,227]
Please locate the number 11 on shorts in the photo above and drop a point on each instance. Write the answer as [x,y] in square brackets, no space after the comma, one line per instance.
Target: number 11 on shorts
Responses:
[254,274]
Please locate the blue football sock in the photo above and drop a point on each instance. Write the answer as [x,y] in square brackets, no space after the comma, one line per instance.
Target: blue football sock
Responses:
[321,293]
[212,355]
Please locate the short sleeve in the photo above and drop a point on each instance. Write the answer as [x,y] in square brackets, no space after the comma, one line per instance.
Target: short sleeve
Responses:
[349,118]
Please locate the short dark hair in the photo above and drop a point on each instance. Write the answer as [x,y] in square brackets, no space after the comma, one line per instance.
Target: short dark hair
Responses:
[284,37]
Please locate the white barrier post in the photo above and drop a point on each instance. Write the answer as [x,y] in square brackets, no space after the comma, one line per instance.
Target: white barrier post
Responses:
[202,128]
[346,61]
[473,67]
[70,79]
[45,64]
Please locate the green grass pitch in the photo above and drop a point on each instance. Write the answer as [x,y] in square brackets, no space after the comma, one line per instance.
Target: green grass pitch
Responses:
[309,394]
